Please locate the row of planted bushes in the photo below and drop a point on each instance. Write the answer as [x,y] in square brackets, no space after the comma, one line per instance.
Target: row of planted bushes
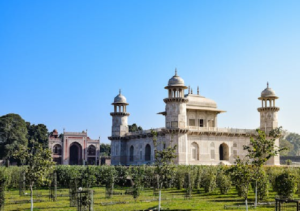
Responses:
[210,178]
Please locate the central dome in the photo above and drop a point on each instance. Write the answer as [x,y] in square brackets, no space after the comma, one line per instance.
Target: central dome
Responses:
[176,80]
[200,101]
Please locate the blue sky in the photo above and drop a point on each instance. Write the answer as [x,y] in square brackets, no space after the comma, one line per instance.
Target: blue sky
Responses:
[63,62]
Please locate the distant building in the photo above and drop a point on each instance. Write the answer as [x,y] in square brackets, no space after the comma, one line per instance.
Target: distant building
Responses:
[191,123]
[71,148]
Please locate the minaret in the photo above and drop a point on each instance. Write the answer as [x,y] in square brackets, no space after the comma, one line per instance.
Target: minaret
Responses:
[268,110]
[176,126]
[119,116]
[268,117]
[118,130]
[176,103]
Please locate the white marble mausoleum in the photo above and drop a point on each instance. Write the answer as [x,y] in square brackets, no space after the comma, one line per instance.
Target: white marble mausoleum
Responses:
[191,122]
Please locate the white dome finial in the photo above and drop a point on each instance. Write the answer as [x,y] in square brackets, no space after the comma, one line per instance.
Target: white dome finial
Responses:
[175,71]
[267,84]
[120,91]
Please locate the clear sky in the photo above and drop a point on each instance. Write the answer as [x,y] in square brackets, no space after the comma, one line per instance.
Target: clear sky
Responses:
[63,62]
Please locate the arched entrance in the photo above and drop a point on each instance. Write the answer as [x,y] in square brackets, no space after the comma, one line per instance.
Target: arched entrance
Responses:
[147,153]
[131,153]
[75,154]
[224,152]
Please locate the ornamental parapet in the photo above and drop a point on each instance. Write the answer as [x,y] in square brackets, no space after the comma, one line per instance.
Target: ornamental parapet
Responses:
[221,131]
[176,130]
[268,109]
[116,138]
[176,99]
[119,114]
[83,133]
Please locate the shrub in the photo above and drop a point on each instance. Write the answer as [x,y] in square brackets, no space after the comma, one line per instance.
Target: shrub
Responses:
[288,162]
[209,179]
[223,181]
[285,185]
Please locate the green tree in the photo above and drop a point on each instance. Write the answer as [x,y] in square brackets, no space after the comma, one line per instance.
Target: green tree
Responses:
[38,133]
[260,150]
[134,128]
[283,143]
[285,185]
[241,174]
[39,163]
[294,139]
[164,167]
[13,133]
[105,149]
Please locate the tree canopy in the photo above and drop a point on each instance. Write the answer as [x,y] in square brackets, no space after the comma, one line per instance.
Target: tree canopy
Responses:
[13,133]
[105,149]
[293,144]
[134,128]
[38,133]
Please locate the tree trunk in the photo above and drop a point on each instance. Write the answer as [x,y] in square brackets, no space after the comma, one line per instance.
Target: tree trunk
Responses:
[255,204]
[246,202]
[159,200]
[31,198]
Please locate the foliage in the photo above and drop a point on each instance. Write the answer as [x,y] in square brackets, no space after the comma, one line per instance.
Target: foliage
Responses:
[13,133]
[109,176]
[285,185]
[241,174]
[262,148]
[188,183]
[164,167]
[198,177]
[134,128]
[288,145]
[105,149]
[38,133]
[39,163]
[288,162]
[223,181]
[209,179]
[294,139]
[3,182]
[262,184]
[179,178]
[137,174]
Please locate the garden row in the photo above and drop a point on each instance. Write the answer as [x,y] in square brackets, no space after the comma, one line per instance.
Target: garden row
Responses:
[211,178]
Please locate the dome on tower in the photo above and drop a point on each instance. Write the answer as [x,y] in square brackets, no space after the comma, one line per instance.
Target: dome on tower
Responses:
[120,99]
[176,80]
[268,92]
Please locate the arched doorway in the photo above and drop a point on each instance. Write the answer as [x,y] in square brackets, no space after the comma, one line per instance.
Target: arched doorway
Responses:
[131,153]
[75,154]
[224,152]
[147,153]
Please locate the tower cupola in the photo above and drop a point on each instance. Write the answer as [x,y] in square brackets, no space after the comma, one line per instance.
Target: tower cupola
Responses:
[176,87]
[176,103]
[120,116]
[268,110]
[120,103]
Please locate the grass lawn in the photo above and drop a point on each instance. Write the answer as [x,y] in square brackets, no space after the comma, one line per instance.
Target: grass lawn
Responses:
[172,199]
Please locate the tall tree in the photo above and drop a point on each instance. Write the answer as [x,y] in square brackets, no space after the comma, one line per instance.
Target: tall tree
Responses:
[13,133]
[134,128]
[105,149]
[294,139]
[242,174]
[38,133]
[163,163]
[260,150]
[39,163]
